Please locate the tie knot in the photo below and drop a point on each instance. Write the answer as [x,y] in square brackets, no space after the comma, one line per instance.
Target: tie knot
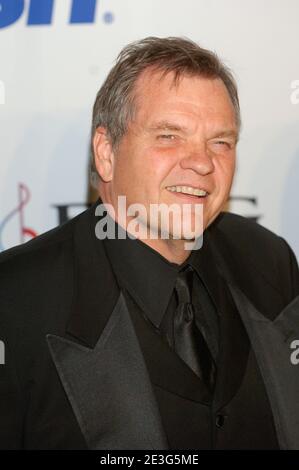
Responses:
[183,286]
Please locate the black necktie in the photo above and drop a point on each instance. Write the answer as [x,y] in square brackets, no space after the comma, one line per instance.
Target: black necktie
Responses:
[189,342]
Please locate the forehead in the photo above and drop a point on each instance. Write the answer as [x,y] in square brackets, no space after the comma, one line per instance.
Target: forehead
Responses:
[189,97]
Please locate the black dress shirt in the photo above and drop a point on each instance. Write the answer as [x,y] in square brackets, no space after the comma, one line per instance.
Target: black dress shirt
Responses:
[150,279]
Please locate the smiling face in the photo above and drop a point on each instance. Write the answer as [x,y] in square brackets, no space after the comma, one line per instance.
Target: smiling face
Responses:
[183,137]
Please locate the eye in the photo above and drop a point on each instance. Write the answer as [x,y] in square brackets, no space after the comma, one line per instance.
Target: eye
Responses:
[224,144]
[166,136]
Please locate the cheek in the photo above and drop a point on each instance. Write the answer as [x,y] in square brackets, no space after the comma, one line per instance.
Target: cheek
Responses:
[121,178]
[160,162]
[143,174]
[132,177]
[225,169]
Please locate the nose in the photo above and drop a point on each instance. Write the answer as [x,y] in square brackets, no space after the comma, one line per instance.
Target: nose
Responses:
[198,160]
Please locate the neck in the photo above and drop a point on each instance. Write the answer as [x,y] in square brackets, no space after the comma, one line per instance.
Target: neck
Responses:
[172,250]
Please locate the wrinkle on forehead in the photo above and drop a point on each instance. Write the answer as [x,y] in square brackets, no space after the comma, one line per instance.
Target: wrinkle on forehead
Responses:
[186,109]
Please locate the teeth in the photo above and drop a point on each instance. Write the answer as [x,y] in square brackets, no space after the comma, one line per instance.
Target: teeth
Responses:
[187,190]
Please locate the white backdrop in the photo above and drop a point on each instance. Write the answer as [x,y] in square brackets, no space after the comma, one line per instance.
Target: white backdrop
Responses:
[50,73]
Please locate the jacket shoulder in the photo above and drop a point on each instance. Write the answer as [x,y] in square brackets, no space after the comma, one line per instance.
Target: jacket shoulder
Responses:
[38,244]
[36,250]
[36,280]
[259,252]
[38,263]
[242,229]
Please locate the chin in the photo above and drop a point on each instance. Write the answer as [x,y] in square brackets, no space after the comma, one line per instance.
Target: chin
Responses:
[211,219]
[187,232]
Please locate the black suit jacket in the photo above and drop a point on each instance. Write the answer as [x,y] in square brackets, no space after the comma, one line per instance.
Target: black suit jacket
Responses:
[74,375]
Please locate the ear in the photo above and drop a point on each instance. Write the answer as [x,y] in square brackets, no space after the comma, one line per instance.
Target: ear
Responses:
[103,154]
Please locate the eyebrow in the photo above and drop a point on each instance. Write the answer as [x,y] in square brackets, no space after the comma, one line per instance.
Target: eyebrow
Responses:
[168,125]
[226,133]
[162,125]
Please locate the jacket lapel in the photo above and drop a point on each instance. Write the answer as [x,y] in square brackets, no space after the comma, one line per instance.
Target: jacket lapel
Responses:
[271,341]
[270,337]
[109,388]
[99,361]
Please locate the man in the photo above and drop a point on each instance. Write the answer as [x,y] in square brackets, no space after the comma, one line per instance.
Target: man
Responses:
[141,340]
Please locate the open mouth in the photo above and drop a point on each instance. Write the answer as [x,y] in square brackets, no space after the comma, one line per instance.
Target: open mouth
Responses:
[196,193]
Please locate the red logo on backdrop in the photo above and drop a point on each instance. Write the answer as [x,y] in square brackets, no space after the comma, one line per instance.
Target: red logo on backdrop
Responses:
[19,212]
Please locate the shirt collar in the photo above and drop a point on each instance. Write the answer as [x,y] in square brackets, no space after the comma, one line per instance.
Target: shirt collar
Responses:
[147,275]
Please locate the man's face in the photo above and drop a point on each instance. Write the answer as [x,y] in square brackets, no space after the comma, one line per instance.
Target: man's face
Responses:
[183,135]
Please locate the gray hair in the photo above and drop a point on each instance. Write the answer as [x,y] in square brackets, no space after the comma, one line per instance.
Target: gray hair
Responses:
[115,105]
